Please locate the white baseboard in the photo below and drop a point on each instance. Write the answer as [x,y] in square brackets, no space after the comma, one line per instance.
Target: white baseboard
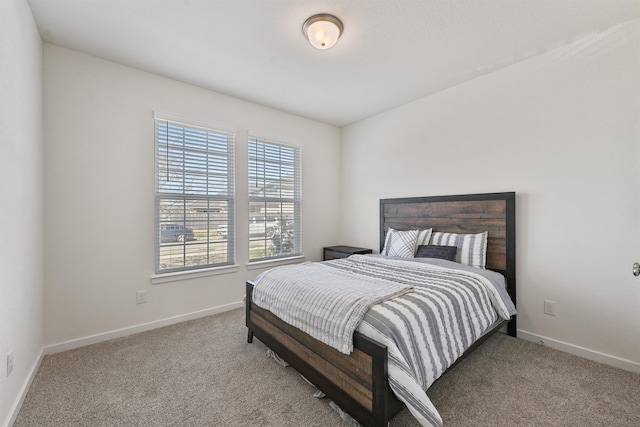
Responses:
[15,409]
[94,339]
[597,356]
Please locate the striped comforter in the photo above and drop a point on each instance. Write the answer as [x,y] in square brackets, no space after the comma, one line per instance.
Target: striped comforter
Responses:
[426,314]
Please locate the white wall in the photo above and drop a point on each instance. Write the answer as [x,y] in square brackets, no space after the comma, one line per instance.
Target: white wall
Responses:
[99,195]
[563,131]
[21,256]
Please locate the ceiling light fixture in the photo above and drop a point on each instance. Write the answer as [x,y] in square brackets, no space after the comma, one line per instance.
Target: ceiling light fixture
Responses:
[322,30]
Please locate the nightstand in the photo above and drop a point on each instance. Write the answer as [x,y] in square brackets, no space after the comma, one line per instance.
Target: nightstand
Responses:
[334,252]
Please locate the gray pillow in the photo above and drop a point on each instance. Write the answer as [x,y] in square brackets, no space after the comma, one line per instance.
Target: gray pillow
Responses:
[437,251]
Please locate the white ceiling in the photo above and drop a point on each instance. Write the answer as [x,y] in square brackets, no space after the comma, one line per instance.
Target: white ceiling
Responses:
[391,52]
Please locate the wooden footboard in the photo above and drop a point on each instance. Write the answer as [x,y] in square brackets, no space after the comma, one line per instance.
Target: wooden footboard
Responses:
[356,382]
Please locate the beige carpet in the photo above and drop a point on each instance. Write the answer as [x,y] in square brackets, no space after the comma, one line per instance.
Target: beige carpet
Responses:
[203,373]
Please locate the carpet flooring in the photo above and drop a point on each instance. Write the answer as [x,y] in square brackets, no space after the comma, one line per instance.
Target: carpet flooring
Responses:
[204,373]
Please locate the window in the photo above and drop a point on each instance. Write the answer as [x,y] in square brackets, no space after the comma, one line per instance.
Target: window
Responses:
[275,199]
[194,197]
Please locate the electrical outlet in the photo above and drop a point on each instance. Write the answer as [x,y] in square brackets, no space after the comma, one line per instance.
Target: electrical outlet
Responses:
[550,307]
[141,297]
[9,363]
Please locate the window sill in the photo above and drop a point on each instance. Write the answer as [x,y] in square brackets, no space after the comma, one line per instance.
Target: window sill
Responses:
[275,262]
[156,279]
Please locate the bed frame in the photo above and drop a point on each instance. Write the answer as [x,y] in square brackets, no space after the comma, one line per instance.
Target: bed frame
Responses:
[358,382]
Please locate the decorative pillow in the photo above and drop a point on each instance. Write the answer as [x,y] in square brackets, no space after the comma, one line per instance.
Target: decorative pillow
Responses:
[472,248]
[401,244]
[436,251]
[423,237]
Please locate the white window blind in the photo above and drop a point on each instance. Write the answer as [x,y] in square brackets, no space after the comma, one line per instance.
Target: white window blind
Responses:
[194,197]
[275,200]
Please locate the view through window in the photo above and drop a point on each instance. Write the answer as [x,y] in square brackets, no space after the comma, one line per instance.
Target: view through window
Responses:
[275,200]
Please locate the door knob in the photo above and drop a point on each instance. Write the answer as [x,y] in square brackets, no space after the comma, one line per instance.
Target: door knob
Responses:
[636,269]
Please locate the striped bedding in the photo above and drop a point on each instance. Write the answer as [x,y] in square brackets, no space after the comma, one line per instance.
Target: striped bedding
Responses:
[435,311]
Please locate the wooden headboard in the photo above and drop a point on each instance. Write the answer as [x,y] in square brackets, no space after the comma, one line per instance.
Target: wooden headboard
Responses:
[469,213]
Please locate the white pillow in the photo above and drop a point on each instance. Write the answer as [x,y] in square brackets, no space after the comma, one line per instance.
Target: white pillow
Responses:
[401,244]
[472,248]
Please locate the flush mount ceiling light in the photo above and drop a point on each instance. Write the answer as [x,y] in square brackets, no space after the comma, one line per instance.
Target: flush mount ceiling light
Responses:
[322,30]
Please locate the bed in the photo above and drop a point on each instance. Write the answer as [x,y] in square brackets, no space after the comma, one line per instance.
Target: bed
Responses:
[359,382]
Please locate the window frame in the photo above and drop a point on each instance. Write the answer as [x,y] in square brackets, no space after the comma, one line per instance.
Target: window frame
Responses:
[200,196]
